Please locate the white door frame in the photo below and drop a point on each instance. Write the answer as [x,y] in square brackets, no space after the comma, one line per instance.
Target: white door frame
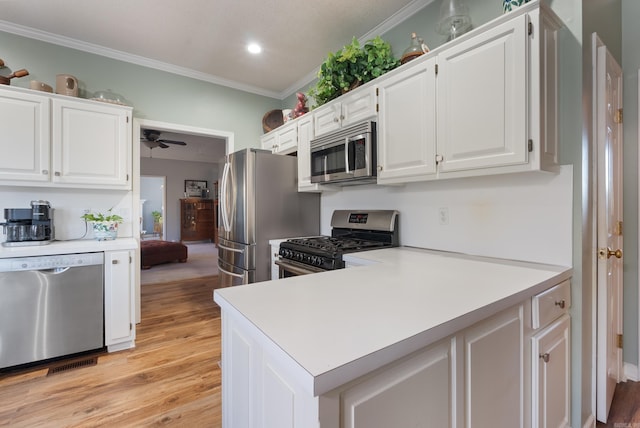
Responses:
[167,127]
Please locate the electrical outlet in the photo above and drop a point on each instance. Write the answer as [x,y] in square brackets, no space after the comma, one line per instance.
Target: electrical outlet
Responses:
[443,216]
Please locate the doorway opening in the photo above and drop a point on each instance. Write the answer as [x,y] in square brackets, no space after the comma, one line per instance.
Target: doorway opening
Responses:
[196,140]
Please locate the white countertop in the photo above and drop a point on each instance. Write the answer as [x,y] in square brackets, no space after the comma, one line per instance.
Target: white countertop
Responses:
[342,324]
[69,247]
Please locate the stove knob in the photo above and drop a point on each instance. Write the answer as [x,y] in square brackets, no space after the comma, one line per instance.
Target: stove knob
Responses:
[299,257]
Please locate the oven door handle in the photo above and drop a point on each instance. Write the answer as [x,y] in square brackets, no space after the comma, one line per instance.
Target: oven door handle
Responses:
[297,270]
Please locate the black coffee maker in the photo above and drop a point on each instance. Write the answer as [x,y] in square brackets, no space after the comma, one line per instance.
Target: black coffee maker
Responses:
[28,226]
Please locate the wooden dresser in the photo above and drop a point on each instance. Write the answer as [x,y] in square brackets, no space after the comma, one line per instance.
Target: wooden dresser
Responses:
[197,219]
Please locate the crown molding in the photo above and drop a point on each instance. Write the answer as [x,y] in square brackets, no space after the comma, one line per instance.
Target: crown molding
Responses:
[31,33]
[68,42]
[394,20]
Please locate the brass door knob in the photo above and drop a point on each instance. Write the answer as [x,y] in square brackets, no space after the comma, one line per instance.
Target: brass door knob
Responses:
[608,252]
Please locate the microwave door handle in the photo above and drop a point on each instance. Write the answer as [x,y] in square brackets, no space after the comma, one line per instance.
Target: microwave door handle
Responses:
[346,155]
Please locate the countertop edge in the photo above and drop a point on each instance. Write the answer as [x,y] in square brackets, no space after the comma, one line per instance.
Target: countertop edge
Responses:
[69,247]
[337,377]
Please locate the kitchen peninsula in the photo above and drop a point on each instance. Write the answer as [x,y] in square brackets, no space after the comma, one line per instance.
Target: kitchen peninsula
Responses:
[409,334]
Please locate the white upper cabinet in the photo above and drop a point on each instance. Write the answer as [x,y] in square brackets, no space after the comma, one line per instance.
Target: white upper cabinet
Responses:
[92,144]
[282,140]
[407,125]
[59,141]
[482,99]
[25,142]
[490,108]
[350,108]
[305,135]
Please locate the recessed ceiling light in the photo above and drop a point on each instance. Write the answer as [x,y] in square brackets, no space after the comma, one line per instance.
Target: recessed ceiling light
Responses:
[254,48]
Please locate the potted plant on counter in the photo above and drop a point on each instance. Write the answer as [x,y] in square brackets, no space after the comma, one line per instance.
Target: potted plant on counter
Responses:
[105,227]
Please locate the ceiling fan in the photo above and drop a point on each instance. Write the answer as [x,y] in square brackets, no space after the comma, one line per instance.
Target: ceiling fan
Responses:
[152,140]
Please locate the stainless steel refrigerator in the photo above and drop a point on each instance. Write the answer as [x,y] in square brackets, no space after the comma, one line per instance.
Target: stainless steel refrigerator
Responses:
[259,201]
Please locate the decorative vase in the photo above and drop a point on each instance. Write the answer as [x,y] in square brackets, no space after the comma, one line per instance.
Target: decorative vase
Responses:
[105,230]
[509,5]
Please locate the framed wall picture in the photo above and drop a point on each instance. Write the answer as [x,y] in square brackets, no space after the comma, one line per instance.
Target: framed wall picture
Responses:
[194,187]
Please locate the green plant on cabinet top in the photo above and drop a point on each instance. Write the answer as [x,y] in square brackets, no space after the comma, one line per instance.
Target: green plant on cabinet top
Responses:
[352,66]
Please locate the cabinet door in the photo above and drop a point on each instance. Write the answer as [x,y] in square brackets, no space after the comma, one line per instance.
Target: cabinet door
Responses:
[305,135]
[119,315]
[358,106]
[268,142]
[327,118]
[287,138]
[416,391]
[407,125]
[91,144]
[25,140]
[551,370]
[482,99]
[494,372]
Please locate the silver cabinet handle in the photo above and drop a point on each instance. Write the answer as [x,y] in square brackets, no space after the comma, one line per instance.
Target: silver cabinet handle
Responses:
[57,173]
[45,172]
[114,262]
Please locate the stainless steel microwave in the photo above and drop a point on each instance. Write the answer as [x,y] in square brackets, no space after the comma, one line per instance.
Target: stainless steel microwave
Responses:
[346,156]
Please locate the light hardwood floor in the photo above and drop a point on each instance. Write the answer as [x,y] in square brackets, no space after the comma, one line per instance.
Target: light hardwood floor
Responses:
[171,378]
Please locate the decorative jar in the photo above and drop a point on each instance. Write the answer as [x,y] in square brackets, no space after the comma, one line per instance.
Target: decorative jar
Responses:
[105,230]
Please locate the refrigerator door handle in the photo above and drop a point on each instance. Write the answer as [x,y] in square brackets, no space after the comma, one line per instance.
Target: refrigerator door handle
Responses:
[230,273]
[224,198]
[235,250]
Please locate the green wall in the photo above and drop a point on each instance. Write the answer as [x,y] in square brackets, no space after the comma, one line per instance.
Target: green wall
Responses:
[155,95]
[630,64]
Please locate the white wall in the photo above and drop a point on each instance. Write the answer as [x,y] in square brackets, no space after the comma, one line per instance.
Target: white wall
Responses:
[520,216]
[69,206]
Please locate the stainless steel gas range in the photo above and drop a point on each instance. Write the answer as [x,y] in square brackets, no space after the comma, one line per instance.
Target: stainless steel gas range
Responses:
[352,231]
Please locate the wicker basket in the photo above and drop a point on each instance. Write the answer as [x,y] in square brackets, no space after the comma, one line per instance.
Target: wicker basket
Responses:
[271,120]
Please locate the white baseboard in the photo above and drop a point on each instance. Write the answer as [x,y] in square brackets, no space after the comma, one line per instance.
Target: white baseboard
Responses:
[631,372]
[590,422]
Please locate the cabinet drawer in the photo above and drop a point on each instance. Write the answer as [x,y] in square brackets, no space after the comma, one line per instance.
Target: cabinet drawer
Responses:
[551,304]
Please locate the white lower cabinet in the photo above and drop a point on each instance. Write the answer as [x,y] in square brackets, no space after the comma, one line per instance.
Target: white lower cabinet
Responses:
[551,358]
[474,378]
[119,310]
[494,371]
[416,392]
[551,383]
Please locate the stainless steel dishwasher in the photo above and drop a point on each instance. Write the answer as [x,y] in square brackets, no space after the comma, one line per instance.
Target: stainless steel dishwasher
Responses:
[50,306]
